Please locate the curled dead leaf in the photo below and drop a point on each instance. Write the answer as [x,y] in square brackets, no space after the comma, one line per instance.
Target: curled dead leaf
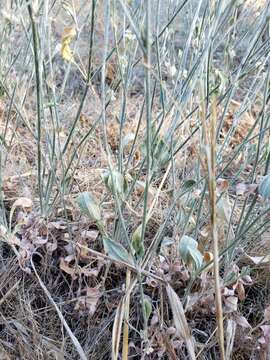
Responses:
[180,321]
[89,301]
[59,225]
[264,340]
[242,321]
[266,316]
[13,240]
[222,184]
[24,203]
[230,304]
[90,235]
[241,293]
[51,246]
[3,231]
[227,292]
[208,256]
[258,260]
[67,269]
[242,188]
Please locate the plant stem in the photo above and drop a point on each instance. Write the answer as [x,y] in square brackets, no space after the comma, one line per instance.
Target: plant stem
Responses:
[213,200]
[39,102]
[126,319]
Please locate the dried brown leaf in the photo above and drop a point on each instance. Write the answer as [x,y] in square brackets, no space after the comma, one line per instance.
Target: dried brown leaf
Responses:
[230,304]
[264,340]
[90,235]
[266,316]
[259,260]
[240,290]
[180,321]
[67,269]
[222,184]
[23,202]
[89,301]
[242,321]
[242,188]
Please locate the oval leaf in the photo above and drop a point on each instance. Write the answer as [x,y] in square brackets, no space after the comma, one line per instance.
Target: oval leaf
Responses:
[188,248]
[115,181]
[147,307]
[116,251]
[137,243]
[88,206]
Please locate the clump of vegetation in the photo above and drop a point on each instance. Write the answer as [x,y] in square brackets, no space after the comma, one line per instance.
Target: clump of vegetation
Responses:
[135,179]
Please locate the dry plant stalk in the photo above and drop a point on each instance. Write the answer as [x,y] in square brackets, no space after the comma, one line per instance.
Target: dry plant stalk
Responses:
[126,319]
[210,151]
[117,327]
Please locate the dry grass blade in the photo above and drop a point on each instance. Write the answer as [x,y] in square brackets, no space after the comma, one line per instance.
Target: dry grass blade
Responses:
[9,292]
[117,328]
[181,321]
[230,336]
[61,317]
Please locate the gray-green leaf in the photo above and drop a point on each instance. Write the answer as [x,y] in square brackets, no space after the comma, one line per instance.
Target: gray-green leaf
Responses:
[147,305]
[137,242]
[264,187]
[115,181]
[188,184]
[88,206]
[116,251]
[188,248]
